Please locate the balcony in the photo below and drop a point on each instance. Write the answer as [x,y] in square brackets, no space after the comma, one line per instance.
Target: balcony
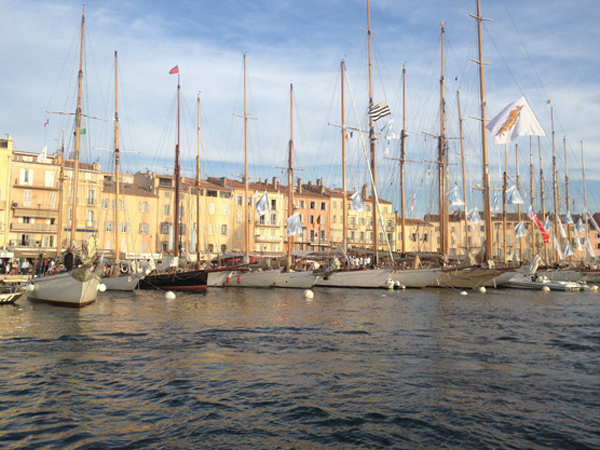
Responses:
[37,185]
[33,227]
[39,210]
[270,239]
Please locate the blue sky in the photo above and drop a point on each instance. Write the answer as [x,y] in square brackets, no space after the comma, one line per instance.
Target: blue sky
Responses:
[540,52]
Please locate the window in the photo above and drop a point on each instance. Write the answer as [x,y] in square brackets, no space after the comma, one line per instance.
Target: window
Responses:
[26,177]
[273,203]
[49,180]
[182,229]
[167,210]
[91,198]
[239,200]
[104,203]
[27,198]
[108,227]
[274,219]
[312,205]
[52,200]
[144,207]
[121,204]
[224,230]
[239,216]
[211,208]
[123,226]
[302,204]
[323,206]
[165,227]
[89,223]
[144,228]
[224,211]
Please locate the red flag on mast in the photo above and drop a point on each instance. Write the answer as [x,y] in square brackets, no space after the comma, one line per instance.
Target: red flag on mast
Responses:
[174,70]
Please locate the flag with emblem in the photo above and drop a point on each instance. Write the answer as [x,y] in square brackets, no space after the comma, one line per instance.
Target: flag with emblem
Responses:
[516,119]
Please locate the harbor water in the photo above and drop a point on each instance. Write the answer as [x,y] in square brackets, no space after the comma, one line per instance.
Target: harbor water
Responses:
[271,369]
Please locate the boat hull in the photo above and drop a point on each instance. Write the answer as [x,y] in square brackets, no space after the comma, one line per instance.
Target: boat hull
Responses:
[303,280]
[192,281]
[216,278]
[262,279]
[64,289]
[121,283]
[467,278]
[367,278]
[416,278]
[562,275]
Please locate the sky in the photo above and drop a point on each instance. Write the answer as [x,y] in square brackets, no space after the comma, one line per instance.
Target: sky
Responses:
[545,52]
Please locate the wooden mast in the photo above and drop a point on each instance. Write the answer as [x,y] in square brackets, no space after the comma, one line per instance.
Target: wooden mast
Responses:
[484,149]
[585,220]
[567,193]
[61,194]
[442,163]
[542,194]
[246,187]
[531,197]
[519,205]
[464,178]
[78,113]
[117,165]
[402,160]
[291,176]
[555,186]
[372,147]
[504,189]
[198,188]
[177,174]
[344,194]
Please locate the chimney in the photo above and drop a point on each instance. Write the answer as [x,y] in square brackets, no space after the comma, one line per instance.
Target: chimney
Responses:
[365,191]
[299,185]
[275,183]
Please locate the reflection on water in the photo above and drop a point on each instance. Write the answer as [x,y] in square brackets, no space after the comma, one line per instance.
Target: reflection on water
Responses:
[236,368]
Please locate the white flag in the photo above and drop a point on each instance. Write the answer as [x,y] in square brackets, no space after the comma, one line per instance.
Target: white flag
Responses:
[294,225]
[357,202]
[497,202]
[579,226]
[520,230]
[547,224]
[589,248]
[262,206]
[513,197]
[568,250]
[557,248]
[516,119]
[568,219]
[561,230]
[454,197]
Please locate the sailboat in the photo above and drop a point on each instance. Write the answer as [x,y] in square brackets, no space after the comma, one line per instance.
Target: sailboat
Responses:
[246,278]
[79,286]
[368,278]
[174,279]
[289,278]
[118,281]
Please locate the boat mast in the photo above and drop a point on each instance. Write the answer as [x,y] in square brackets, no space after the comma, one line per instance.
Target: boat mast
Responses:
[555,185]
[464,178]
[78,113]
[519,205]
[291,176]
[177,174]
[542,193]
[504,188]
[486,173]
[61,194]
[117,164]
[442,163]
[344,194]
[246,219]
[402,159]
[531,197]
[584,195]
[567,193]
[372,146]
[198,188]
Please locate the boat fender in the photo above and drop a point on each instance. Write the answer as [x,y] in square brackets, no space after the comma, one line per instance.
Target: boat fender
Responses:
[463,293]
[482,289]
[124,268]
[239,279]
[545,289]
[170,295]
[593,288]
[308,294]
[102,287]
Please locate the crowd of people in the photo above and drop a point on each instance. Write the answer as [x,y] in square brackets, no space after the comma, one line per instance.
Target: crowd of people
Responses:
[36,266]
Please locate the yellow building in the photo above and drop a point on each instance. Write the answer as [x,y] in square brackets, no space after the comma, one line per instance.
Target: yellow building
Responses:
[5,189]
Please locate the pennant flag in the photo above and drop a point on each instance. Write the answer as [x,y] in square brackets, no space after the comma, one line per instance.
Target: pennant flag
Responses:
[454,197]
[497,202]
[557,248]
[520,230]
[516,119]
[579,226]
[592,221]
[174,70]
[82,131]
[294,225]
[380,110]
[412,202]
[358,205]
[589,248]
[568,250]
[533,216]
[46,122]
[513,197]
[568,219]
[262,206]
[578,244]
[548,224]
[561,230]
[388,131]
[348,135]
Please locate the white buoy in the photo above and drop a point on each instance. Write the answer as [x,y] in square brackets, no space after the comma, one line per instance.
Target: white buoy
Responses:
[391,284]
[308,294]
[482,289]
[546,289]
[102,287]
[464,293]
[170,295]
[593,288]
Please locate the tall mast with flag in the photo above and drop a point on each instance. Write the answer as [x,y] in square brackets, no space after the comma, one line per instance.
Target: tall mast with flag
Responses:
[372,118]
[291,176]
[177,169]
